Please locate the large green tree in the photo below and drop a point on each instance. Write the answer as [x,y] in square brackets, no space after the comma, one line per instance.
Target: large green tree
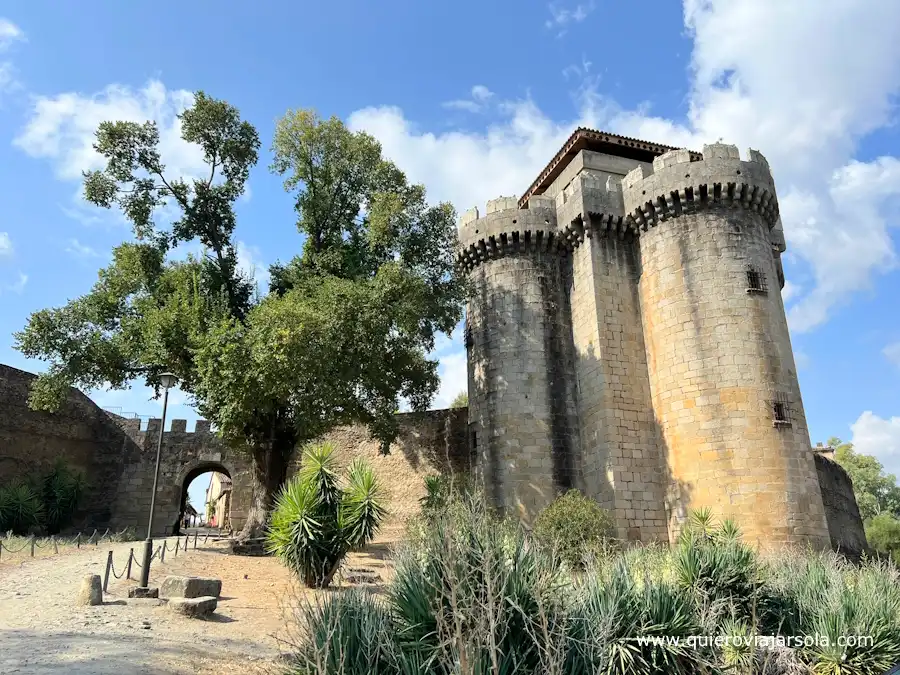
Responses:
[876,491]
[344,331]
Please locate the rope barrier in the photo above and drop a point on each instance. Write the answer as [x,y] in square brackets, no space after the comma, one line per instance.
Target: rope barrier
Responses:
[54,541]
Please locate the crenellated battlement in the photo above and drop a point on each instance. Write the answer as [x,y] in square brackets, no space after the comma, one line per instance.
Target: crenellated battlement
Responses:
[132,426]
[679,183]
[505,228]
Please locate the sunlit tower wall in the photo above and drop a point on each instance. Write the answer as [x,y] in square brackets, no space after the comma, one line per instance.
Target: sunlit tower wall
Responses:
[522,416]
[620,444]
[723,379]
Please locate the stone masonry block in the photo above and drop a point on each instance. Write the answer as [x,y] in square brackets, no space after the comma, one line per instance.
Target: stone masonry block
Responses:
[190,587]
[194,607]
[91,591]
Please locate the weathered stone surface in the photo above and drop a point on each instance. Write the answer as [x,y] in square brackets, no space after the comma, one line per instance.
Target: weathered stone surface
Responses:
[190,587]
[117,457]
[194,607]
[141,592]
[91,591]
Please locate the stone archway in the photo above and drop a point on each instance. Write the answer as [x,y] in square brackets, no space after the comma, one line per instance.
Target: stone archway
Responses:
[194,470]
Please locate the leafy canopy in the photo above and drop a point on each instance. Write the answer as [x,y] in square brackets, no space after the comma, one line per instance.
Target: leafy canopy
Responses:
[346,327]
[876,491]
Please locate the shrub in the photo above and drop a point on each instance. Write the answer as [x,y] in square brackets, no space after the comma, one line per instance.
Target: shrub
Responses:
[472,595]
[573,526]
[441,490]
[883,534]
[60,490]
[41,502]
[316,520]
[21,510]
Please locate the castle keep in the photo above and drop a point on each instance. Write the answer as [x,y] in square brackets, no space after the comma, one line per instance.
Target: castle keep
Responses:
[626,336]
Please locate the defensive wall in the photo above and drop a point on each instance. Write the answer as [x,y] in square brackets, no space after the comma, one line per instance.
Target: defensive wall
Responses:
[117,457]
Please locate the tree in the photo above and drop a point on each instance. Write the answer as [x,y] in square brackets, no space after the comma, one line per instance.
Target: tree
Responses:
[461,400]
[316,521]
[883,534]
[347,324]
[876,491]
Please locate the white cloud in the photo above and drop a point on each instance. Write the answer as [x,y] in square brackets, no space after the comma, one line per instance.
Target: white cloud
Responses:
[801,359]
[9,33]
[802,81]
[17,286]
[80,250]
[560,17]
[892,352]
[251,265]
[61,128]
[790,290]
[879,437]
[6,247]
[480,97]
[452,370]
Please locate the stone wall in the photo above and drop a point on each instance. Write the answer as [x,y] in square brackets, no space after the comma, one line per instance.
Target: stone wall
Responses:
[845,526]
[118,459]
[79,432]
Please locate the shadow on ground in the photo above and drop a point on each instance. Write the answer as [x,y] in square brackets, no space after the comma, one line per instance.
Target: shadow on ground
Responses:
[49,653]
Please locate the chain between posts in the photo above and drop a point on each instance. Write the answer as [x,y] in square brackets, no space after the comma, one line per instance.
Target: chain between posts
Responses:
[159,552]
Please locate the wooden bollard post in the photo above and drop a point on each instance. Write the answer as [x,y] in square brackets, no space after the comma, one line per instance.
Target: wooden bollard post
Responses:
[128,566]
[55,545]
[195,540]
[177,546]
[106,574]
[32,546]
[162,552]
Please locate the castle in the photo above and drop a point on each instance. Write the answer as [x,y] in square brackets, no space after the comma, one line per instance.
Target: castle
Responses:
[626,336]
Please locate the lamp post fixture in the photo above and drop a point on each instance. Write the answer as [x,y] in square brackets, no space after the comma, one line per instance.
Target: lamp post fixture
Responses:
[167,380]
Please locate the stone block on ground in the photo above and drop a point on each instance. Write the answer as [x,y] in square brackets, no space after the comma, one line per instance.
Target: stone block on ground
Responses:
[193,607]
[190,587]
[91,591]
[141,592]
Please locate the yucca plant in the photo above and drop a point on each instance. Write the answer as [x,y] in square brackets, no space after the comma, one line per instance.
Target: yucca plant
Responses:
[21,509]
[345,633]
[318,518]
[715,565]
[60,490]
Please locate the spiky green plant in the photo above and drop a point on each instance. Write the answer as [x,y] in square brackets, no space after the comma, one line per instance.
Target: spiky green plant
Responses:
[714,564]
[21,509]
[317,520]
[61,490]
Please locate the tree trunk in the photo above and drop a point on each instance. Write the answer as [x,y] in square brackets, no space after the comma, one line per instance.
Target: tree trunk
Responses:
[268,473]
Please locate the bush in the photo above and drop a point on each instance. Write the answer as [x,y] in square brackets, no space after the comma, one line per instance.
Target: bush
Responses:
[316,521]
[883,534]
[41,503]
[472,595]
[21,510]
[574,526]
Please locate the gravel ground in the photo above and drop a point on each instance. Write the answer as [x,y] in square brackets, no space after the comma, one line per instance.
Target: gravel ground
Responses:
[43,632]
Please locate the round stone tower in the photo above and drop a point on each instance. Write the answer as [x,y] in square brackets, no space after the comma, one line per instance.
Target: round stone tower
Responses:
[522,416]
[722,375]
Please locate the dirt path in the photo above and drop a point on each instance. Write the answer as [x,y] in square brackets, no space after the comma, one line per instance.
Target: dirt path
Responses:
[43,632]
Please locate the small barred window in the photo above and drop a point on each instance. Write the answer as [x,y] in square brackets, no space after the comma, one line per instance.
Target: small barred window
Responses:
[781,411]
[756,280]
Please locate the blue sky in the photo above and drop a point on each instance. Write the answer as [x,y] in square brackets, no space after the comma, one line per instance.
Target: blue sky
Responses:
[473,99]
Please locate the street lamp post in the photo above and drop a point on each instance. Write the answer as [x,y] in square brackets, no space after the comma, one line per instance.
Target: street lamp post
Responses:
[167,380]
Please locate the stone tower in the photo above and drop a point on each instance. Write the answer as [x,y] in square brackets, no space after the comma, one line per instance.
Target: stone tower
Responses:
[626,336]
